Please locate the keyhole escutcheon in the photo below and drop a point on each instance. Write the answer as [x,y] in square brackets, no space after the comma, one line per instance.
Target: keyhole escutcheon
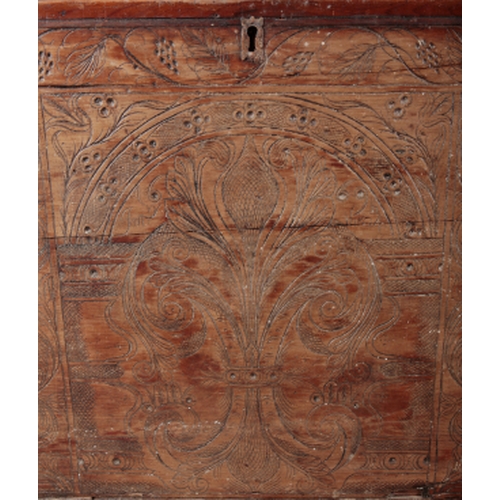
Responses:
[252,39]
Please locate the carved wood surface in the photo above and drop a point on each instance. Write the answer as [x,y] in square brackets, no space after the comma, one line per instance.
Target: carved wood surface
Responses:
[250,270]
[200,56]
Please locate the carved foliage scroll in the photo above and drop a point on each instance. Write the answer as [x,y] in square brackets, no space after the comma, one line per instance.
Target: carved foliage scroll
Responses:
[211,55]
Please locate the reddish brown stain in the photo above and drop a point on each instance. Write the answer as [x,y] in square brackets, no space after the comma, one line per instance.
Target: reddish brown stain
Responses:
[153,281]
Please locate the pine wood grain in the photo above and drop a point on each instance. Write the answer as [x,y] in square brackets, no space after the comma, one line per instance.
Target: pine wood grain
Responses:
[250,264]
[146,9]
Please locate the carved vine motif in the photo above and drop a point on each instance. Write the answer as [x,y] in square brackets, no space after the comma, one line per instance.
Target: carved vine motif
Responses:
[81,129]
[420,145]
[245,271]
[180,56]
[410,52]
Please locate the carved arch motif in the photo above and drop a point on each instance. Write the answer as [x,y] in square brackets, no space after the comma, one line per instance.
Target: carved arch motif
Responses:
[102,196]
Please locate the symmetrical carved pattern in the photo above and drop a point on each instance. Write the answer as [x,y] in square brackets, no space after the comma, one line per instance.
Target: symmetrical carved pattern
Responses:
[251,280]
[244,285]
[247,267]
[101,183]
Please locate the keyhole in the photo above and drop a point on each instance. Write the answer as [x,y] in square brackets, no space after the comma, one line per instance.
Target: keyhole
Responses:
[252,33]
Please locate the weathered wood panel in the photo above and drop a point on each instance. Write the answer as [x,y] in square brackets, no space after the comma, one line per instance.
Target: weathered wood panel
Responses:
[254,261]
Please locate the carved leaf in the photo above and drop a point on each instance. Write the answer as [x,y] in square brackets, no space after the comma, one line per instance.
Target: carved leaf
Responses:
[435,119]
[439,107]
[207,50]
[138,112]
[67,117]
[356,60]
[86,62]
[454,40]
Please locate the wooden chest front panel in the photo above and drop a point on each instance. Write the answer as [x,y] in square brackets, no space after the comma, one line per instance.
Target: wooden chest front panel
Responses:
[250,269]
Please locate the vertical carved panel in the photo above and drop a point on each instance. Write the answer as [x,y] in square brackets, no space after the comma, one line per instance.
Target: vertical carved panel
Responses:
[54,455]
[251,282]
[449,447]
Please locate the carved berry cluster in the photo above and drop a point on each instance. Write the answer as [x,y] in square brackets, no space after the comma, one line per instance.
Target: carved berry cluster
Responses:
[303,120]
[144,150]
[427,54]
[355,146]
[166,54]
[250,113]
[195,120]
[45,65]
[397,107]
[393,184]
[89,161]
[296,64]
[108,189]
[104,104]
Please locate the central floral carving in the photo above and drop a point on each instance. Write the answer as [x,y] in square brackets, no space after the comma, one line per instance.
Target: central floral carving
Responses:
[249,302]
